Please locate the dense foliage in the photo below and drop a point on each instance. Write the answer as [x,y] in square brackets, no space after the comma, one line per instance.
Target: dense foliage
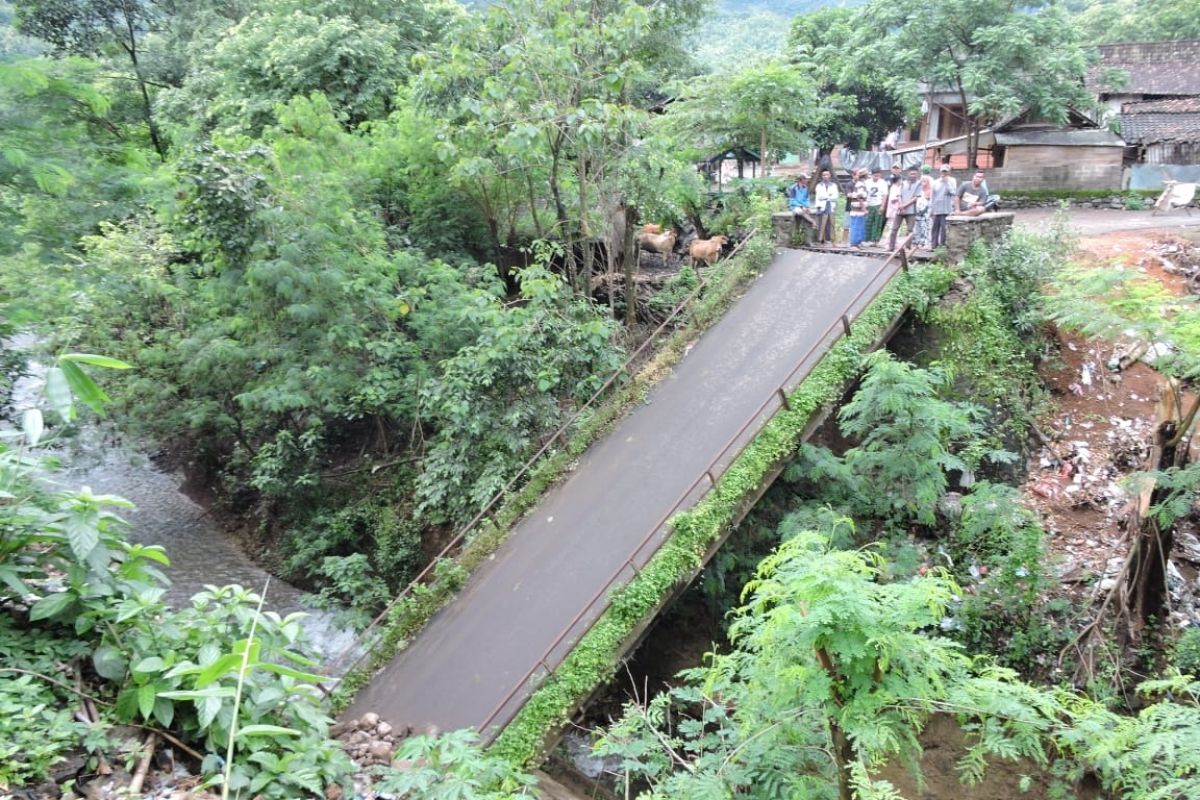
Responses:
[350,251]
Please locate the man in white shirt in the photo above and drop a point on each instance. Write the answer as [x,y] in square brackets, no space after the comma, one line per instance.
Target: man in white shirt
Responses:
[825,204]
[974,198]
[877,190]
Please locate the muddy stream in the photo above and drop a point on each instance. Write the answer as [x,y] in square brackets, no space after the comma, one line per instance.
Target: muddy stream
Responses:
[201,552]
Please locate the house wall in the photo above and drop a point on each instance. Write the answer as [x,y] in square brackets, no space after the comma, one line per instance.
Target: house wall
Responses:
[1151,176]
[1057,167]
[1183,153]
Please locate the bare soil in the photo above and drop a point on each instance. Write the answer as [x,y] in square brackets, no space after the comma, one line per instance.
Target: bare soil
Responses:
[1098,429]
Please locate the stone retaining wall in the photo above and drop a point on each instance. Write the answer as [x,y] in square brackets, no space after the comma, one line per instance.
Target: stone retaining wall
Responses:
[962,231]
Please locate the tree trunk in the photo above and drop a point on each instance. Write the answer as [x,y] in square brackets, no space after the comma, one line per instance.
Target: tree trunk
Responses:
[537,222]
[585,233]
[843,756]
[560,210]
[630,263]
[1147,593]
[147,108]
[762,151]
[972,132]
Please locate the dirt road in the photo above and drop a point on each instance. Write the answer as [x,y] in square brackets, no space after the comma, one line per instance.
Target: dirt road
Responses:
[1096,221]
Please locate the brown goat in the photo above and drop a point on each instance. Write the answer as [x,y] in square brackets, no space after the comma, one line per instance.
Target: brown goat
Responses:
[706,250]
[652,227]
[657,242]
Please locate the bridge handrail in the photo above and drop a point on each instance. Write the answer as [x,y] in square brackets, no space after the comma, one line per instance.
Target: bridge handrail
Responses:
[332,668]
[780,393]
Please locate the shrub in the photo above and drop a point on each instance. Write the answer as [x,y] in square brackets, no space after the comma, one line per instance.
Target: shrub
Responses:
[1187,652]
[358,553]
[999,554]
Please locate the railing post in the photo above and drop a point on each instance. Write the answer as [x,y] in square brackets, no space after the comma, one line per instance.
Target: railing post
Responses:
[787,406]
[903,259]
[846,324]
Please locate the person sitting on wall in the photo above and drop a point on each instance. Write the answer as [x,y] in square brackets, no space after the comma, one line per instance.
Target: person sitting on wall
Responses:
[974,198]
[798,204]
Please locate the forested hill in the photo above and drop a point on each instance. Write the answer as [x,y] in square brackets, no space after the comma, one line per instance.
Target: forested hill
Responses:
[782,8]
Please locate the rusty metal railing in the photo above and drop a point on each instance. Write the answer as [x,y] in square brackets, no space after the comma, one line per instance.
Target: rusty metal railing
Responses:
[779,394]
[333,667]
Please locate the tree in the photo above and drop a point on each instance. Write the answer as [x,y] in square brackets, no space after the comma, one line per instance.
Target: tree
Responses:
[1136,20]
[65,164]
[541,93]
[89,28]
[833,672]
[355,54]
[1001,57]
[865,98]
[769,107]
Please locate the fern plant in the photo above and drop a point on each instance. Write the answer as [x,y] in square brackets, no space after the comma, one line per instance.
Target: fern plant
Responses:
[833,672]
[910,438]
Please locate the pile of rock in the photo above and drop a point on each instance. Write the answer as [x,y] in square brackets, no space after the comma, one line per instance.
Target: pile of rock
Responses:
[368,740]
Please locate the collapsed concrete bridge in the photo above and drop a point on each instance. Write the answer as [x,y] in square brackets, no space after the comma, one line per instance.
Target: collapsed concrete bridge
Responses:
[478,660]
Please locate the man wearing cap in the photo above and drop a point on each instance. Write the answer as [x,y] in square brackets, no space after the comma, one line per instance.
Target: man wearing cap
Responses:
[940,205]
[973,199]
[876,189]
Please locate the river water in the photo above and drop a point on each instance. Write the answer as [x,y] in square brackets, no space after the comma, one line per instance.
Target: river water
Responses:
[201,552]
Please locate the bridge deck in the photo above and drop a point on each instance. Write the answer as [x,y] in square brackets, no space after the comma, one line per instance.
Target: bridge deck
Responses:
[475,651]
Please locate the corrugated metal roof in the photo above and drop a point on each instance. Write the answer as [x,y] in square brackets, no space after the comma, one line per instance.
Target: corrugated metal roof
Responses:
[1063,138]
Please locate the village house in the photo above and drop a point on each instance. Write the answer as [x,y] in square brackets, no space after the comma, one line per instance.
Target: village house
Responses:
[1144,71]
[1155,103]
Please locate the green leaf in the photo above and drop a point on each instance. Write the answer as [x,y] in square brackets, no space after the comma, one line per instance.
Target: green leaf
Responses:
[127,704]
[149,665]
[146,698]
[218,669]
[51,606]
[152,552]
[207,710]
[279,669]
[83,532]
[11,578]
[84,388]
[208,653]
[32,425]
[273,730]
[58,392]
[164,711]
[95,360]
[109,662]
[199,694]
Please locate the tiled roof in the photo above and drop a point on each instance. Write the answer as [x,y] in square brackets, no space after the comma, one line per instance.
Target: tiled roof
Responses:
[1154,68]
[1149,128]
[1176,120]
[1176,105]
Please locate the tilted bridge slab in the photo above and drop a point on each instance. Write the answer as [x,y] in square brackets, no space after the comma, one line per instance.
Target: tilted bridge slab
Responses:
[468,667]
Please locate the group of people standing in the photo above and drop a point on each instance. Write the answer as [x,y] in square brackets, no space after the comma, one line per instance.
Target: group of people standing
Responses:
[876,207]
